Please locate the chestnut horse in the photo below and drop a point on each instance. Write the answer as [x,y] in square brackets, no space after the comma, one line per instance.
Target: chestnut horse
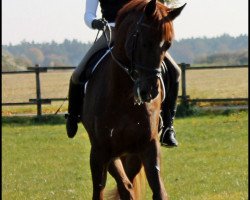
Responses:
[122,104]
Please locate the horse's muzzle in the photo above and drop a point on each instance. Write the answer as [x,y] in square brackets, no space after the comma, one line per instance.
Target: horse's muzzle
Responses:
[144,94]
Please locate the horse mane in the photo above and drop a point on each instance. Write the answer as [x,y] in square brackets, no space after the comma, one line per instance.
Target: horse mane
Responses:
[161,12]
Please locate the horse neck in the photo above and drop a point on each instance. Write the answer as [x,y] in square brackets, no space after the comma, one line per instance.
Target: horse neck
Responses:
[120,53]
[119,76]
[119,81]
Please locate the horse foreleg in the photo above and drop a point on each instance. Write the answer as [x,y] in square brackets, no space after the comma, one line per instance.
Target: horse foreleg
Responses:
[98,167]
[124,186]
[151,161]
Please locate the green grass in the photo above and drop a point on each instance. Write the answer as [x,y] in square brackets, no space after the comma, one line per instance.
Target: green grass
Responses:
[211,162]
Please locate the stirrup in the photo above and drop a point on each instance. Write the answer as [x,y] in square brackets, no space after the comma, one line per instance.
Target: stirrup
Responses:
[167,138]
[160,126]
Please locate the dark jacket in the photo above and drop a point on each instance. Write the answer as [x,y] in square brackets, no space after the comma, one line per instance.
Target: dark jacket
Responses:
[110,8]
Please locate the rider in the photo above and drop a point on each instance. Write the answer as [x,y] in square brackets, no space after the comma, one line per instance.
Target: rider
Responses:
[109,11]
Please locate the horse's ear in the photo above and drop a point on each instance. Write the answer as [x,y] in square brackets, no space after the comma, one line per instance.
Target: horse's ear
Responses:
[150,8]
[175,12]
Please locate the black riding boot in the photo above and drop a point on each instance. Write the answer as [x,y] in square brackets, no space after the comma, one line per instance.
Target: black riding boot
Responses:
[75,103]
[169,106]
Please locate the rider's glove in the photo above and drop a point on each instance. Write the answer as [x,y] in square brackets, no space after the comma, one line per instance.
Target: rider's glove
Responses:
[99,24]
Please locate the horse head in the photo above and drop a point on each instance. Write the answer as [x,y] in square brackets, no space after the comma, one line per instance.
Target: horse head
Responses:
[145,31]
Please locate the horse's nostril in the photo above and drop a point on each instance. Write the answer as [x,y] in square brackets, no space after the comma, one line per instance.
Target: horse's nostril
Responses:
[143,94]
[147,95]
[154,93]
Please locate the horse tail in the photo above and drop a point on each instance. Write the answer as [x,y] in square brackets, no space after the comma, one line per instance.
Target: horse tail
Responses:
[139,187]
[139,184]
[112,194]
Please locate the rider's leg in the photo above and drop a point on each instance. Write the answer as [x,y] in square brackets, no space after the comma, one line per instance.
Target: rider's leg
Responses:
[169,105]
[98,45]
[75,101]
[75,95]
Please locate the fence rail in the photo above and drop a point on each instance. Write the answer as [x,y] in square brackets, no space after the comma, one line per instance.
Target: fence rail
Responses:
[184,97]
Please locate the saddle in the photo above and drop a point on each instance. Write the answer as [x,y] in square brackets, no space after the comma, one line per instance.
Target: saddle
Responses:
[91,65]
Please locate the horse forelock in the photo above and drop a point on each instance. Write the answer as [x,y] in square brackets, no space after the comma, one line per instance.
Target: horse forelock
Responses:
[158,16]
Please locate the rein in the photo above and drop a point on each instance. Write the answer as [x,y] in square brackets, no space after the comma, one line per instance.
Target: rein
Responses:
[110,50]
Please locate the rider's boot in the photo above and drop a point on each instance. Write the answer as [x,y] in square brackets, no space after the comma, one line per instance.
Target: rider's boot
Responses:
[75,99]
[169,106]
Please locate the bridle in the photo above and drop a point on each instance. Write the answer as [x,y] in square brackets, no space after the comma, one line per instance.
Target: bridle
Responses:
[155,72]
[132,70]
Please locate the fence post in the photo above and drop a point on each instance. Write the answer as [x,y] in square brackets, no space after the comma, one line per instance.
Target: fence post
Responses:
[38,92]
[183,83]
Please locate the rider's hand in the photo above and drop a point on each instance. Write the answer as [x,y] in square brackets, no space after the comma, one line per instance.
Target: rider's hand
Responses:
[99,24]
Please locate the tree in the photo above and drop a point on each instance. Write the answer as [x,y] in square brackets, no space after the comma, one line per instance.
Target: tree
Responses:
[35,55]
[23,61]
[11,63]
